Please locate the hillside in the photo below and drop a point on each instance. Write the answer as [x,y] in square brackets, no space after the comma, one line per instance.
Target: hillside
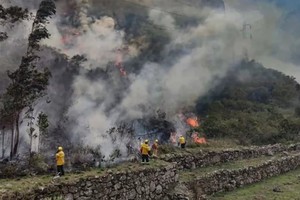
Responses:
[124,71]
[99,79]
[253,105]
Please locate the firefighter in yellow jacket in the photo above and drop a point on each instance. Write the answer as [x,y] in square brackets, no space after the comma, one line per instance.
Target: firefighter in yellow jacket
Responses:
[145,150]
[182,142]
[60,161]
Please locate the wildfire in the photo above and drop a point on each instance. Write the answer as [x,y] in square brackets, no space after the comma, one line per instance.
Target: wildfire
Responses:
[197,139]
[119,63]
[193,122]
[69,36]
[173,138]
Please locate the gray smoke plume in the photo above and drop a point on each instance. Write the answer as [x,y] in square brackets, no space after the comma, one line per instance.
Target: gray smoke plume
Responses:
[99,98]
[274,42]
[211,46]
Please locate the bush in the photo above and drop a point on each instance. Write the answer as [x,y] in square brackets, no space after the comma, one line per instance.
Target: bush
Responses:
[37,164]
[167,148]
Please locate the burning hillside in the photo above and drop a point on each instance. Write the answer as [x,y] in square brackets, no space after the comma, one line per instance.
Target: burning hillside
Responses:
[114,64]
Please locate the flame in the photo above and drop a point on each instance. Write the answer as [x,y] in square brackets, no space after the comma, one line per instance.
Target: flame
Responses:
[69,36]
[193,122]
[119,61]
[173,138]
[198,140]
[123,72]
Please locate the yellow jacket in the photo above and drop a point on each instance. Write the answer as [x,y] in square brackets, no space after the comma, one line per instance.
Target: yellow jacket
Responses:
[60,158]
[145,149]
[181,140]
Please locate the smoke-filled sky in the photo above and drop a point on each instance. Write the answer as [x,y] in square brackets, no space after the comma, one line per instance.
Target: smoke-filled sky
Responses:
[276,33]
[210,50]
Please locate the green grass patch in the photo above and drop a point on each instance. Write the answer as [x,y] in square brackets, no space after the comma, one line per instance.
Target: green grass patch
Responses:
[287,187]
[219,144]
[189,175]
[212,145]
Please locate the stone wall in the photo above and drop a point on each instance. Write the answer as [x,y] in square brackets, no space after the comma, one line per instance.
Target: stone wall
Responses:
[158,180]
[227,180]
[147,183]
[196,159]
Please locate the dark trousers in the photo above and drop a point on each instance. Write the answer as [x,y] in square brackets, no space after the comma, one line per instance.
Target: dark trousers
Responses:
[182,145]
[60,170]
[145,158]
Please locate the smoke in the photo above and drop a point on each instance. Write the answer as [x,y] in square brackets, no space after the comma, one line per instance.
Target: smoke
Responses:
[96,42]
[274,41]
[98,97]
[12,49]
[172,87]
[162,19]
[211,49]
[159,85]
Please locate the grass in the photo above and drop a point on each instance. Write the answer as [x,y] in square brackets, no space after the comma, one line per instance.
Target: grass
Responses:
[216,144]
[212,145]
[32,182]
[289,184]
[189,175]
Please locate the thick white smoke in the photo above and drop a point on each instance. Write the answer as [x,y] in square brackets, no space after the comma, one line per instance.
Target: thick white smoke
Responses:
[211,49]
[98,42]
[179,85]
[159,86]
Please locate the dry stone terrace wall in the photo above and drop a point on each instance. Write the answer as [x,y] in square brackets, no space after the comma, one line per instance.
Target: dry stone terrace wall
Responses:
[148,183]
[188,160]
[227,180]
[157,182]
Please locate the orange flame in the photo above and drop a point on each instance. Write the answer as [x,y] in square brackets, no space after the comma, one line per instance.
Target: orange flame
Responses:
[193,122]
[173,138]
[118,63]
[198,140]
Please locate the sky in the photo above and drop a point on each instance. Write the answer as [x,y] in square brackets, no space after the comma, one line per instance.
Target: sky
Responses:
[279,37]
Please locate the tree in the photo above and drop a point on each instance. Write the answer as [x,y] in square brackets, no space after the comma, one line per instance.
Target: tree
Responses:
[28,83]
[11,15]
[42,124]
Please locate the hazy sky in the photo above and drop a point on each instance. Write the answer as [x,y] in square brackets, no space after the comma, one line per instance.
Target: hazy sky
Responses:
[281,39]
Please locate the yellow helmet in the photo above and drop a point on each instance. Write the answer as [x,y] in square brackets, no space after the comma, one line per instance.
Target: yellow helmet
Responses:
[60,148]
[146,141]
[156,140]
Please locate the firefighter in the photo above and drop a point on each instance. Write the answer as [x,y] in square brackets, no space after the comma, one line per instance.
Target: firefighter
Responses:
[145,150]
[60,161]
[182,142]
[154,148]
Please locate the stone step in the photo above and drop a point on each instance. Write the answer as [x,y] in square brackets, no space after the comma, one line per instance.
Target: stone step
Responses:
[231,176]
[196,158]
[285,186]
